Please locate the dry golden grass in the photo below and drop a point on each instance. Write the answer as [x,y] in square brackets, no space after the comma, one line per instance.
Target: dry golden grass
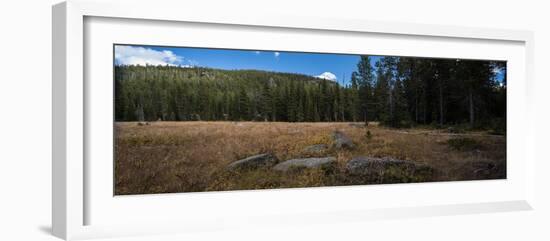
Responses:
[192,156]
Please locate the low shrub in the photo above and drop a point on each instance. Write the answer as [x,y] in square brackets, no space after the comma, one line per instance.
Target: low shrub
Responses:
[368,135]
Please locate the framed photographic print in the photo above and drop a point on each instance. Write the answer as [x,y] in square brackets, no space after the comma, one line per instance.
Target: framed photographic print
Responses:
[193,119]
[170,123]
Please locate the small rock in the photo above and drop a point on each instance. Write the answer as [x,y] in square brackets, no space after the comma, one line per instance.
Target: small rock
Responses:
[143,123]
[316,149]
[305,163]
[254,162]
[342,141]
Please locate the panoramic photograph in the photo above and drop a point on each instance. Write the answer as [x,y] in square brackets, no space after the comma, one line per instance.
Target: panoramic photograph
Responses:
[193,119]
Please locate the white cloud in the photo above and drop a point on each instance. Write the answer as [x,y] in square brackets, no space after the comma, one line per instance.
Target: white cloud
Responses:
[327,76]
[131,55]
[276,54]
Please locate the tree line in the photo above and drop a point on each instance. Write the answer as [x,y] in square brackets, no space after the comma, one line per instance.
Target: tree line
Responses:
[396,91]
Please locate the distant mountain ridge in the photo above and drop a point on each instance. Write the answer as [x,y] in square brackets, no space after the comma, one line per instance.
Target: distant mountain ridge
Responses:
[206,70]
[198,93]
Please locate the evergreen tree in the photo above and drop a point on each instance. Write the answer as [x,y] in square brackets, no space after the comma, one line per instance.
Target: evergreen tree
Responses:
[365,78]
[242,105]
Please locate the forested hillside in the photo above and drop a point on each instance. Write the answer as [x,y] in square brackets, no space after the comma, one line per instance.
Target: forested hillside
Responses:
[396,91]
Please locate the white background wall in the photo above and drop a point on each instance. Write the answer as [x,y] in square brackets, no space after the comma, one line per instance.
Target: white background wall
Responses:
[25,119]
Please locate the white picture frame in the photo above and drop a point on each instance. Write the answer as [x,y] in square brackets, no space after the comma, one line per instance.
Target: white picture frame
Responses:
[72,191]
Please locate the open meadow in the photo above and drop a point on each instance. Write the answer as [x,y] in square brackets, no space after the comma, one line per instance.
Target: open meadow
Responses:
[196,156]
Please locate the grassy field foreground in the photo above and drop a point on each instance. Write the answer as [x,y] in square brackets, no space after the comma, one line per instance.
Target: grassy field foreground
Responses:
[164,157]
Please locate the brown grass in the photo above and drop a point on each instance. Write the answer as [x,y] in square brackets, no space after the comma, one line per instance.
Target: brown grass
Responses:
[191,156]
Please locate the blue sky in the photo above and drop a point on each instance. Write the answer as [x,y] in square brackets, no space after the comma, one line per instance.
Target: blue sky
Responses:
[330,66]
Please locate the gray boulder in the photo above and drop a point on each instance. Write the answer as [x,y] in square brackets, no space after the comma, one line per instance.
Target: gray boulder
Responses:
[342,141]
[254,162]
[315,149]
[305,163]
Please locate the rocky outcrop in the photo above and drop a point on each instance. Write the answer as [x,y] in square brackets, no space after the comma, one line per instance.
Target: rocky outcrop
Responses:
[342,141]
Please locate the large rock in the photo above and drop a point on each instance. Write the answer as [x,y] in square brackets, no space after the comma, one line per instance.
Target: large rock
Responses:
[342,141]
[305,163]
[254,162]
[315,149]
[388,170]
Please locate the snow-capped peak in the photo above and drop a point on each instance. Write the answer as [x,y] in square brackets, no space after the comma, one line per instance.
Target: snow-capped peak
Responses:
[327,76]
